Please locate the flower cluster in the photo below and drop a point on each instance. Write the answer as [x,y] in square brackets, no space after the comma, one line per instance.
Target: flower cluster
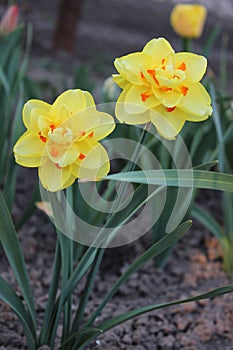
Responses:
[163,87]
[159,86]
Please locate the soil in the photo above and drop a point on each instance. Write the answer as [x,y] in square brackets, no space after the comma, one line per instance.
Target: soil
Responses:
[194,267]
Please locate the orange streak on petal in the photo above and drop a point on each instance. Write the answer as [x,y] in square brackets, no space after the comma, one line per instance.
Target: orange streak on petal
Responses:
[184,90]
[171,109]
[91,134]
[153,75]
[165,88]
[142,75]
[57,166]
[163,60]
[81,156]
[182,66]
[43,138]
[145,96]
[52,127]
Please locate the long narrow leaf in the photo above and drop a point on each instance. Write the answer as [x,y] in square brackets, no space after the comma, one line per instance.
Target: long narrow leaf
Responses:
[178,178]
[11,246]
[207,220]
[8,295]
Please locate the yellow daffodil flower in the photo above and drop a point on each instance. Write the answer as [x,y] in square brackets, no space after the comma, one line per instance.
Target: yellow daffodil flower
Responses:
[62,139]
[188,20]
[163,87]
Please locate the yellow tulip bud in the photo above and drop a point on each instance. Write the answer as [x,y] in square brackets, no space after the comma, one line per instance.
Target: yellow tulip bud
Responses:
[188,20]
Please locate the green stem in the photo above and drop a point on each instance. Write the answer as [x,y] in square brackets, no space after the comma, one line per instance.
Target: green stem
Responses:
[49,311]
[187,44]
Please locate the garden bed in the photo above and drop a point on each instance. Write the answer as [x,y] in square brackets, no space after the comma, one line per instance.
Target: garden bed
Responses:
[194,267]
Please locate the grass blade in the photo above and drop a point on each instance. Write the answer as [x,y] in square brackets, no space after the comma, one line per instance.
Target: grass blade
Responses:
[178,178]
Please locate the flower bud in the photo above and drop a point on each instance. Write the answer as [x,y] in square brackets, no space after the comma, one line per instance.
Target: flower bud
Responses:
[9,20]
[188,20]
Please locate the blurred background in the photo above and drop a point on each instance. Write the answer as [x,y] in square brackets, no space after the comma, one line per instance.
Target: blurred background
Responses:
[82,37]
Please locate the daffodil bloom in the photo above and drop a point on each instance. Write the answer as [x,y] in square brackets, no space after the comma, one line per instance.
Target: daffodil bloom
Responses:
[163,87]
[188,20]
[62,139]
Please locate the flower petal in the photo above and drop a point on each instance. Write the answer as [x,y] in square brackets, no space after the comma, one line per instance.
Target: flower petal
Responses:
[62,156]
[168,98]
[158,49]
[196,102]
[195,65]
[74,100]
[30,106]
[120,81]
[130,66]
[96,162]
[90,103]
[28,150]
[123,116]
[138,100]
[54,178]
[168,124]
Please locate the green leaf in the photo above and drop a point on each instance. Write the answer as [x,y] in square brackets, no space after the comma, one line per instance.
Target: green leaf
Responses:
[12,249]
[82,337]
[207,220]
[178,178]
[156,249]
[8,295]
[206,166]
[105,326]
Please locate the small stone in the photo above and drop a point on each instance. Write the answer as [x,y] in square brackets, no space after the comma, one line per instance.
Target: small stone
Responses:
[182,323]
[127,339]
[205,330]
[167,343]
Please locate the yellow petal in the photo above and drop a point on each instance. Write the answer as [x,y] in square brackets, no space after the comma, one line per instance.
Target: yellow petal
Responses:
[124,117]
[196,102]
[130,66]
[195,65]
[90,103]
[168,124]
[54,178]
[90,124]
[30,106]
[96,162]
[28,150]
[120,81]
[168,98]
[62,155]
[139,99]
[74,100]
[158,49]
